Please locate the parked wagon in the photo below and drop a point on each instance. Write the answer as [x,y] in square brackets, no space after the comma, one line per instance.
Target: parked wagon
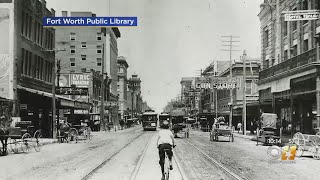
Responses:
[67,133]
[23,137]
[82,132]
[269,134]
[221,129]
[307,142]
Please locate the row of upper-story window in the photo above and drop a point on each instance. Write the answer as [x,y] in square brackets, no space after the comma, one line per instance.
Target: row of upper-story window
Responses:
[35,66]
[251,89]
[305,5]
[73,36]
[73,61]
[84,45]
[31,28]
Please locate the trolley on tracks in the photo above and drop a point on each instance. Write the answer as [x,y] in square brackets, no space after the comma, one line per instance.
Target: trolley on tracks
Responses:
[179,123]
[149,120]
[307,142]
[221,129]
[22,137]
[164,116]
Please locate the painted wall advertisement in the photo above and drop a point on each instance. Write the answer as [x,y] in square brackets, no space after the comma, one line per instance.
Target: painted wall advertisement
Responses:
[6,51]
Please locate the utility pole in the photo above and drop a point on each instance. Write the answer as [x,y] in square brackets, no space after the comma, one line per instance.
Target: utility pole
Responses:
[230,50]
[53,80]
[244,103]
[102,120]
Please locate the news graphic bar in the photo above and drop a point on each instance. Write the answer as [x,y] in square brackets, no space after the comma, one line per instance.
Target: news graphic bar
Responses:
[90,21]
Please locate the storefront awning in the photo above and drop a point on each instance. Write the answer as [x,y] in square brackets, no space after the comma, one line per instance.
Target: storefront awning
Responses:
[65,102]
[283,84]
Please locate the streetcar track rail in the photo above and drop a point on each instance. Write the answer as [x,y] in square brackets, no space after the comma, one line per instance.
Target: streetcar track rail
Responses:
[228,171]
[109,158]
[183,174]
[137,167]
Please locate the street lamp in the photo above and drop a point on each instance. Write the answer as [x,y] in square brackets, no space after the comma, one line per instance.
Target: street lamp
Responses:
[54,89]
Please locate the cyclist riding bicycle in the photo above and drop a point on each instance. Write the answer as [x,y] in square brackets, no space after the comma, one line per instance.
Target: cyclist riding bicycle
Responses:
[165,141]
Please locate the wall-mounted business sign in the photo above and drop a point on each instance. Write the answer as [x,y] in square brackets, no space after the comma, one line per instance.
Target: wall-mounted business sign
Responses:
[301,16]
[111,103]
[71,91]
[216,83]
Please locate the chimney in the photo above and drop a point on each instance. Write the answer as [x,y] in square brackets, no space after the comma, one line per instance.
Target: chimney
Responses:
[64,13]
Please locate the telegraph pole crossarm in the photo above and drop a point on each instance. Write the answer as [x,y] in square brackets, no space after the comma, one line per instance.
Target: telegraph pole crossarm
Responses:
[231,45]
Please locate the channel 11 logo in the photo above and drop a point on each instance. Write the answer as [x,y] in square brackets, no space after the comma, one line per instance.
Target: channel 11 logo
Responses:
[285,155]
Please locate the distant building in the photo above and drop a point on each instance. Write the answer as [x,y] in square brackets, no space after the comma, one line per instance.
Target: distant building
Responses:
[134,96]
[188,94]
[252,96]
[122,86]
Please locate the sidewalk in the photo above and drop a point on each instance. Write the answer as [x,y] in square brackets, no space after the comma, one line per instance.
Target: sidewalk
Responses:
[284,139]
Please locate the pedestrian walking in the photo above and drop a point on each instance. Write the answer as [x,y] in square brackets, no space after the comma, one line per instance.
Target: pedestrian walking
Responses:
[239,126]
[251,127]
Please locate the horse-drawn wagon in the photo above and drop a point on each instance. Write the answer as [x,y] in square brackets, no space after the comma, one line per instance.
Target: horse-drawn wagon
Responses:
[221,129]
[73,133]
[22,137]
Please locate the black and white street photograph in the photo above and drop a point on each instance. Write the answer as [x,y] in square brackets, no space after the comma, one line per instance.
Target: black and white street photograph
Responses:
[159,89]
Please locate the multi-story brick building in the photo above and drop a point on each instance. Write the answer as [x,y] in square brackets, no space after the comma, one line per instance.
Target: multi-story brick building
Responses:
[122,85]
[289,82]
[252,96]
[91,49]
[26,62]
[208,96]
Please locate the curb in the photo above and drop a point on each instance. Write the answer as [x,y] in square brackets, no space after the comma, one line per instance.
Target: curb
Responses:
[244,137]
[50,142]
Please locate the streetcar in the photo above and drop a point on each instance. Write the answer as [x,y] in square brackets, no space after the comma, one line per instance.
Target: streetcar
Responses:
[149,120]
[164,116]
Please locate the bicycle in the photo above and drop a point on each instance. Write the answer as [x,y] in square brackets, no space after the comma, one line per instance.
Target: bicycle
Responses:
[166,164]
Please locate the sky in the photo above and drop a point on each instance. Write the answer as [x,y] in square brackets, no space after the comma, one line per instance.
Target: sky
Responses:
[175,38]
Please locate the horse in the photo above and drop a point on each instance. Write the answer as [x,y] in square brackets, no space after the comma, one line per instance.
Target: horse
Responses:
[64,129]
[4,132]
